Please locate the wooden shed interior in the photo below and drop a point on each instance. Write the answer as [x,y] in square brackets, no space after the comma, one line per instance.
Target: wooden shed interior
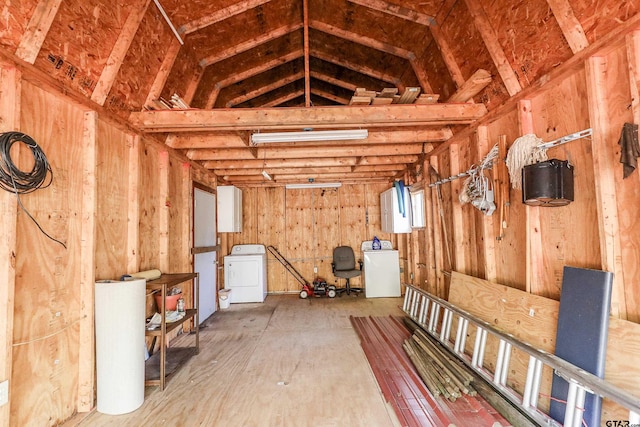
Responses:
[135,103]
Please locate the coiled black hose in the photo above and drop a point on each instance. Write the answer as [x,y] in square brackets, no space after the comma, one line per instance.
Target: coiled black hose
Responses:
[16,181]
[11,177]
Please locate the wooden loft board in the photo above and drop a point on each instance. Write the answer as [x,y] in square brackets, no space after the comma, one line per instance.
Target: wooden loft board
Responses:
[317,117]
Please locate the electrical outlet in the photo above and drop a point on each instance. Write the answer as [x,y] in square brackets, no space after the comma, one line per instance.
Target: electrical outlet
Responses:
[315,269]
[4,392]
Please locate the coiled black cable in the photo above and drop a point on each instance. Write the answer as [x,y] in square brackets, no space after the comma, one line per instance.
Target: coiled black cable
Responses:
[19,182]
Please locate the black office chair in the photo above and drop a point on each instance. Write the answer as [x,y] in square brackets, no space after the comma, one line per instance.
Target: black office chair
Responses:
[344,266]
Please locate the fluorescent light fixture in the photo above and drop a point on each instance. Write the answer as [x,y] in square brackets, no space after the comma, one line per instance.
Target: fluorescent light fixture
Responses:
[310,135]
[266,175]
[314,185]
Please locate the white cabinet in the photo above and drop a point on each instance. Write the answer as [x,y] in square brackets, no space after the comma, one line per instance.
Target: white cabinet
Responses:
[229,209]
[393,221]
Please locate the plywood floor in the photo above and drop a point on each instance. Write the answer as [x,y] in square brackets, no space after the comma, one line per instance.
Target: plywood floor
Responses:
[286,362]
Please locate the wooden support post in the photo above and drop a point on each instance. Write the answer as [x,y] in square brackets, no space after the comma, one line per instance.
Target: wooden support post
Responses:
[488,222]
[460,243]
[10,87]
[439,240]
[604,165]
[163,211]
[133,204]
[86,350]
[535,259]
[429,236]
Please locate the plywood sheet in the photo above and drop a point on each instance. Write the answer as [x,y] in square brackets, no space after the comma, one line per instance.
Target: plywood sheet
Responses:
[112,188]
[18,15]
[47,309]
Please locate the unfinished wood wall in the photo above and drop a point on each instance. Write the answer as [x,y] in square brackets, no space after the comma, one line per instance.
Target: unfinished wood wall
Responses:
[306,225]
[119,203]
[599,230]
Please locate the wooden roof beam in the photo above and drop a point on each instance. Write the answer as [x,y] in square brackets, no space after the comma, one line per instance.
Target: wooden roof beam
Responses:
[162,74]
[251,72]
[265,89]
[220,15]
[37,30]
[569,24]
[332,80]
[336,117]
[119,51]
[509,77]
[208,141]
[250,44]
[359,39]
[304,152]
[357,68]
[233,140]
[278,163]
[282,99]
[330,96]
[288,170]
[397,11]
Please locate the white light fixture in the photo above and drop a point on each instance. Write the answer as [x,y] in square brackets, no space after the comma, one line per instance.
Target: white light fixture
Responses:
[314,185]
[266,175]
[310,135]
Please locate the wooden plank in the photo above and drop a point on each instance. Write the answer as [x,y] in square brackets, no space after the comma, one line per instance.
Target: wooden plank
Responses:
[473,86]
[569,24]
[86,350]
[193,85]
[317,117]
[604,165]
[409,95]
[10,110]
[496,51]
[37,29]
[427,98]
[118,53]
[360,100]
[162,75]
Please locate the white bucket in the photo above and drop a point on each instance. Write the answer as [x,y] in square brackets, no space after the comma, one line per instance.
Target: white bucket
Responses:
[224,297]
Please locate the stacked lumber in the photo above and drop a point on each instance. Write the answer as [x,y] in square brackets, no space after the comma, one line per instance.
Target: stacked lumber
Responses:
[441,375]
[176,102]
[387,96]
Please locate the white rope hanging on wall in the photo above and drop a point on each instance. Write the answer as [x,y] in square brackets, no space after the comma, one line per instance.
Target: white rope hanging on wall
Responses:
[524,151]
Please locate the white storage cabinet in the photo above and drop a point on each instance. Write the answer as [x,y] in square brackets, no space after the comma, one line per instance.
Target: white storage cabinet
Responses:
[392,219]
[229,209]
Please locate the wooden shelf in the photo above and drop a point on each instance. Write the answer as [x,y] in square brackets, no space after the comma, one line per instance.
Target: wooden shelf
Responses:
[189,314]
[166,361]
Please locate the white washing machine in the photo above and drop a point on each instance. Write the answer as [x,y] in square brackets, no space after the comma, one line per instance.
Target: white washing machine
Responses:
[381,270]
[245,273]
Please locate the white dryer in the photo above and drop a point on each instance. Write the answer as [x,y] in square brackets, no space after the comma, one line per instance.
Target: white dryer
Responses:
[245,273]
[381,270]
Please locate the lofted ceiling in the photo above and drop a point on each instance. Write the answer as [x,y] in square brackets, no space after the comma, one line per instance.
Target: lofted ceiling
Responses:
[202,76]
